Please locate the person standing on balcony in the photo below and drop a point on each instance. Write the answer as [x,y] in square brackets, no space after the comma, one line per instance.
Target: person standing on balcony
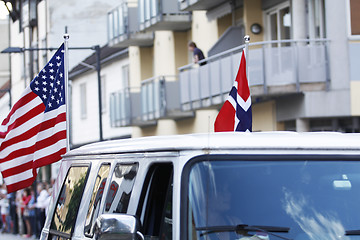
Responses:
[198,54]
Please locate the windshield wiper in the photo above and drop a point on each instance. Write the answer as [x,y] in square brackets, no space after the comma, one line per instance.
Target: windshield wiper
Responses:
[352,232]
[243,229]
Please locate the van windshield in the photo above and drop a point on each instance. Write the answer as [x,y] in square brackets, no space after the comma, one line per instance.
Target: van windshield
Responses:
[274,200]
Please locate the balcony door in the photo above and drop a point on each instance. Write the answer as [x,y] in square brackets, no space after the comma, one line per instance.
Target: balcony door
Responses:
[278,21]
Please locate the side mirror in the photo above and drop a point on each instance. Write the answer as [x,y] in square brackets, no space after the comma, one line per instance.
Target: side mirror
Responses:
[117,226]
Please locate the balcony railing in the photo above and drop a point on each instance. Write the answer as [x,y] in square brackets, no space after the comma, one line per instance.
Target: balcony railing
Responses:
[125,109]
[160,98]
[123,28]
[162,15]
[275,68]
[190,5]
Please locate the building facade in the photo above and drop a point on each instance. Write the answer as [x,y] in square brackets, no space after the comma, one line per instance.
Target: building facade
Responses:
[302,62]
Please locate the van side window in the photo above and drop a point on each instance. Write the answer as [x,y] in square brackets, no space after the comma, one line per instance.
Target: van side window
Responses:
[96,197]
[122,182]
[155,208]
[68,203]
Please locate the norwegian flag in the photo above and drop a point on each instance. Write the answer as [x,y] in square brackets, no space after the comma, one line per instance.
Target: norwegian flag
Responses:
[34,133]
[236,114]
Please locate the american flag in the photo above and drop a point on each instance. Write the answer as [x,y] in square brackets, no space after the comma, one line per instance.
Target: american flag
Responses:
[236,113]
[34,133]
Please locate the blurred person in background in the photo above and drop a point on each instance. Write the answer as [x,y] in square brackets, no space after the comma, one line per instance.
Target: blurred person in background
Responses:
[4,205]
[26,212]
[41,205]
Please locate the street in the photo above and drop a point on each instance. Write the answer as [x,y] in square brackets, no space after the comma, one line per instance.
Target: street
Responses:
[7,236]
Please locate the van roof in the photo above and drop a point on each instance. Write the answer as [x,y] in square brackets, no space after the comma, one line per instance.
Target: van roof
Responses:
[226,141]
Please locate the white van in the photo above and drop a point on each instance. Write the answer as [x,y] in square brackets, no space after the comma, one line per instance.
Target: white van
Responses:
[210,186]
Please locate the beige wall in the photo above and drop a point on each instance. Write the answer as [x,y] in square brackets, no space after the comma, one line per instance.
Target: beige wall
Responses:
[264,116]
[204,32]
[253,14]
[141,65]
[225,22]
[146,62]
[164,53]
[355,98]
[202,123]
[181,49]
[134,67]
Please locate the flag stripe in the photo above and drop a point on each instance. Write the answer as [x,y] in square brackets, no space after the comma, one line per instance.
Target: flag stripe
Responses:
[48,159]
[24,118]
[31,141]
[29,96]
[33,131]
[38,146]
[20,176]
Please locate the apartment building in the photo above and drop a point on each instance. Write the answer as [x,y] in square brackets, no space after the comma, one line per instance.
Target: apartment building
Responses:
[302,62]
[86,125]
[302,65]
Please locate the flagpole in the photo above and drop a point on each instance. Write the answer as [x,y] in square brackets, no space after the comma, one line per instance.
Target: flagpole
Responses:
[247,40]
[67,99]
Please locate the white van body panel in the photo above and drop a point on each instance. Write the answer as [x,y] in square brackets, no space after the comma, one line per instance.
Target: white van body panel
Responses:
[179,150]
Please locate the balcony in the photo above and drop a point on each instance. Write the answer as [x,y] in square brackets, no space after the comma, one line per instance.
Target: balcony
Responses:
[275,68]
[162,15]
[125,109]
[160,99]
[191,5]
[123,28]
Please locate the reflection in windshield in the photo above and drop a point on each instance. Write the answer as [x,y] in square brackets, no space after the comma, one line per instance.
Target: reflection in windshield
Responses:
[315,200]
[314,224]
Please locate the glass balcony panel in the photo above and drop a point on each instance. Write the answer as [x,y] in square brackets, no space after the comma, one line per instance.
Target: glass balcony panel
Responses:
[116,22]
[255,68]
[154,8]
[205,81]
[142,11]
[110,26]
[215,78]
[226,79]
[120,21]
[312,65]
[122,100]
[235,64]
[185,86]
[147,9]
[195,86]
[280,66]
[144,99]
[120,114]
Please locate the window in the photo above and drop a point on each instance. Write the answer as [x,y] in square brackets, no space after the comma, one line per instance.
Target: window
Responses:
[68,203]
[125,77]
[316,19]
[279,22]
[355,17]
[83,105]
[155,210]
[95,200]
[119,193]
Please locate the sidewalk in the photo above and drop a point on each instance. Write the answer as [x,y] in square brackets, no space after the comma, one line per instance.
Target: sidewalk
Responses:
[7,236]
